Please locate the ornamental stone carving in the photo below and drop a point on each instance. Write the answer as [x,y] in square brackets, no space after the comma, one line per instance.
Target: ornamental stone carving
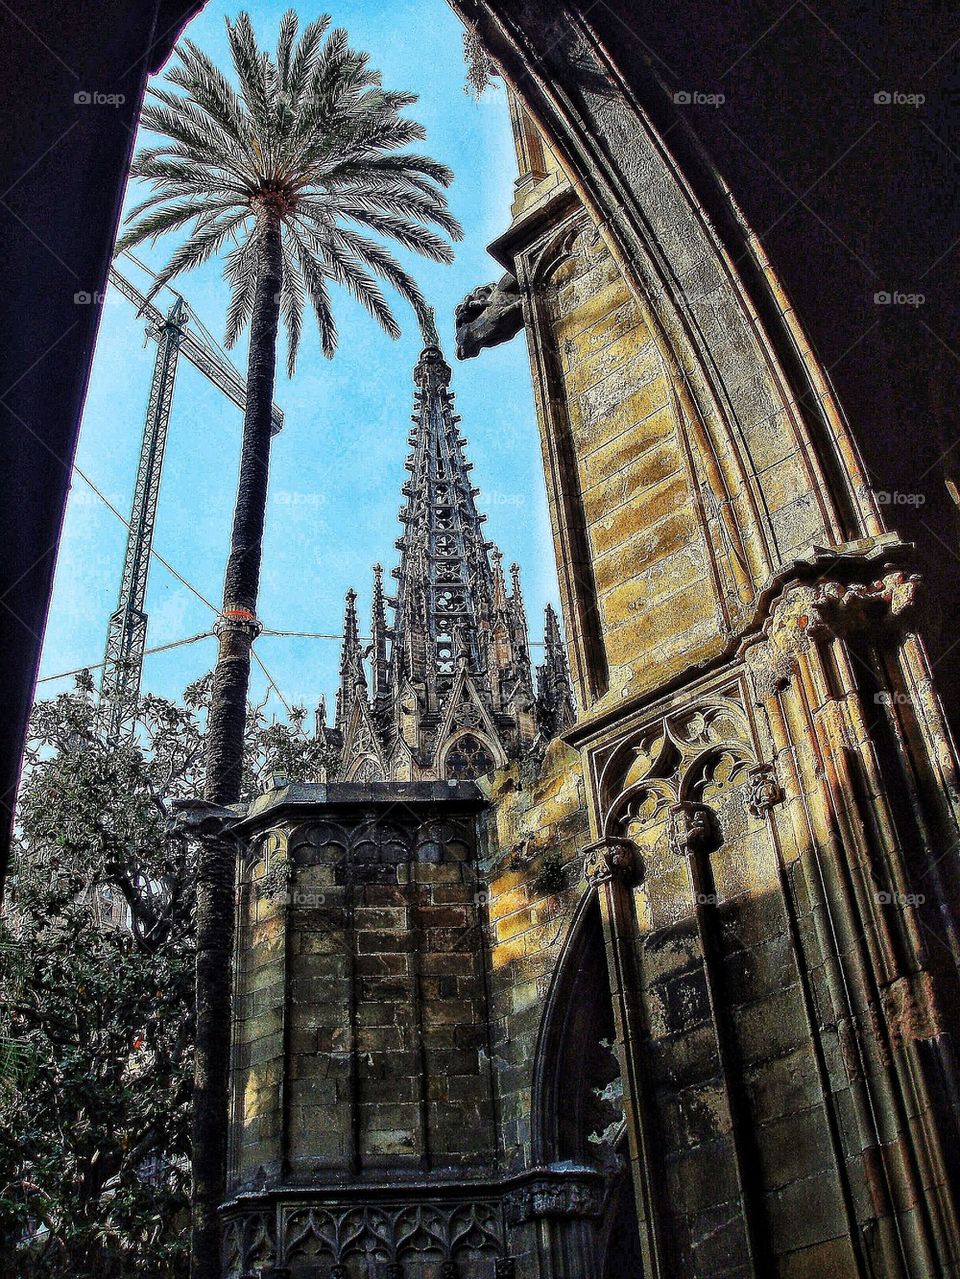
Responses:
[201,820]
[608,859]
[547,1198]
[846,609]
[763,789]
[690,829]
[491,314]
[843,599]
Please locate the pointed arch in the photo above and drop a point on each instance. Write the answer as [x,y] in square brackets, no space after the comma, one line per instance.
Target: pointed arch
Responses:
[470,754]
[574,1053]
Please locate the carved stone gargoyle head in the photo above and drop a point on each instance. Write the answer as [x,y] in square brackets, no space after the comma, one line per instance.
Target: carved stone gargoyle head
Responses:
[491,314]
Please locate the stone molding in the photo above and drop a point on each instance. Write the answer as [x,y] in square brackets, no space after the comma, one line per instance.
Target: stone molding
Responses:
[547,1197]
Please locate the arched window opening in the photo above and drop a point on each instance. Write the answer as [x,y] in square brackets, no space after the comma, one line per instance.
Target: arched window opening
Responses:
[468,758]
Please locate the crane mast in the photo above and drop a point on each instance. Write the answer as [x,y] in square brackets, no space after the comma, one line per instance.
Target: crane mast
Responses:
[127,628]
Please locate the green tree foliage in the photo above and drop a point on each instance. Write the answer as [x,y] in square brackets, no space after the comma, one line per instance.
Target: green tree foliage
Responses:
[96,972]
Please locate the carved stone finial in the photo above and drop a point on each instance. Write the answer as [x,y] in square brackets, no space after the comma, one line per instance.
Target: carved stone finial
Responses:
[428,327]
[763,789]
[608,859]
[690,829]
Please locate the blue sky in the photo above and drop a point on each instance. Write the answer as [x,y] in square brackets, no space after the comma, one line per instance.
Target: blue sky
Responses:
[338,465]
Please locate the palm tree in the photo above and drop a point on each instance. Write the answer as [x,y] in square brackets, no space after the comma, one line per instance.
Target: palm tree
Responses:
[286,177]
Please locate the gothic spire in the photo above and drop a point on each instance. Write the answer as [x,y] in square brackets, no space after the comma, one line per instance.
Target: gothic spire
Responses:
[555,704]
[444,578]
[379,632]
[452,686]
[353,679]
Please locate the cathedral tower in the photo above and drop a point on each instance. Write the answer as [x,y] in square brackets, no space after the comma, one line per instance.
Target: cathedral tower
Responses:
[451,693]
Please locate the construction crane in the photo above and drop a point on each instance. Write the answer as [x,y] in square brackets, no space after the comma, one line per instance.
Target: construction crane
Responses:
[127,629]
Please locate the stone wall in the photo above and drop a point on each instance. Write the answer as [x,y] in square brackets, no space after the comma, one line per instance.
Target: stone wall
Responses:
[361,1047]
[688,1006]
[766,774]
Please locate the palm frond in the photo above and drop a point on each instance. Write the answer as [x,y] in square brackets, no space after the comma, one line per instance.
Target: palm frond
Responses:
[209,87]
[206,240]
[379,259]
[163,220]
[305,56]
[240,272]
[306,139]
[345,269]
[315,280]
[251,68]
[291,307]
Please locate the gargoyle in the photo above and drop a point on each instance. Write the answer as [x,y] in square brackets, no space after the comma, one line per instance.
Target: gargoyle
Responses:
[491,314]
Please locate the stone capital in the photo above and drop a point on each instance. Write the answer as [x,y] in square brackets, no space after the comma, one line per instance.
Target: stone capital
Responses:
[844,609]
[613,857]
[690,828]
[548,1198]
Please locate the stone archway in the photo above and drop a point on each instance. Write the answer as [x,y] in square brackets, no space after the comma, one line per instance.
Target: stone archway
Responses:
[577,1104]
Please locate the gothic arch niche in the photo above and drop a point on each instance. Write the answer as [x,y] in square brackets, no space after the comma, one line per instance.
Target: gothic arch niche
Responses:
[577,1103]
[468,756]
[366,769]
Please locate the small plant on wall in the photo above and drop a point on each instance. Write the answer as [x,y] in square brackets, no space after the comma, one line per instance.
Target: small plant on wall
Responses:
[549,876]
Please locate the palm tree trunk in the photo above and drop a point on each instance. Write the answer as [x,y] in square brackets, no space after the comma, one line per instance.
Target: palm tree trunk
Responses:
[226,722]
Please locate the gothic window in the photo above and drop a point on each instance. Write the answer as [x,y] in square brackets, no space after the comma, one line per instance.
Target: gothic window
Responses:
[468,758]
[368,770]
[444,654]
[451,601]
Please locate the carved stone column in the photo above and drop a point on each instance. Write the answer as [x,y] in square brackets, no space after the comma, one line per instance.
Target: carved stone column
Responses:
[611,866]
[824,649]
